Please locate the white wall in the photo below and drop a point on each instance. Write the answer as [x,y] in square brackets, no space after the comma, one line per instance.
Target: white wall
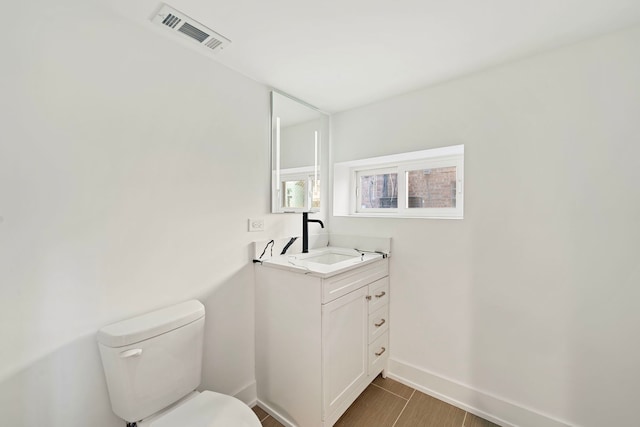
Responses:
[526,310]
[128,168]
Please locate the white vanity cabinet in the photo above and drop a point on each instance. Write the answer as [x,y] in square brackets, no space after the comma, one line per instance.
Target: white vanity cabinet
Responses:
[320,341]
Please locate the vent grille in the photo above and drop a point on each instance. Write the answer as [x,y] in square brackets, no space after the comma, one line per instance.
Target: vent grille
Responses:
[177,22]
[213,43]
[171,21]
[193,32]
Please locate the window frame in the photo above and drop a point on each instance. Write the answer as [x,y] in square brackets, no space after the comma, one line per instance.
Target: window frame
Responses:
[347,203]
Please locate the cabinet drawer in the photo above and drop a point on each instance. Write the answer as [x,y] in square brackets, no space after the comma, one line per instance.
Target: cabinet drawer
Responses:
[341,284]
[378,323]
[379,292]
[378,354]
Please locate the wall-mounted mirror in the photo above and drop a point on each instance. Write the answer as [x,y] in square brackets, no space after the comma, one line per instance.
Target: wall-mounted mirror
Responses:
[299,133]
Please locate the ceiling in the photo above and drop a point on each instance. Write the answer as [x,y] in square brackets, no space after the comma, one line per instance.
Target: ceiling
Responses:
[340,54]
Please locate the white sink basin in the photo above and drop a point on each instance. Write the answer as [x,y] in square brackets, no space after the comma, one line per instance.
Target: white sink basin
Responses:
[323,262]
[330,258]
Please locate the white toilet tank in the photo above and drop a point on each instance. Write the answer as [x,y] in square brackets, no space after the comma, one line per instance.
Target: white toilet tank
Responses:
[153,360]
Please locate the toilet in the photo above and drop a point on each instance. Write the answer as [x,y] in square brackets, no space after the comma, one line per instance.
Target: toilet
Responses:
[153,364]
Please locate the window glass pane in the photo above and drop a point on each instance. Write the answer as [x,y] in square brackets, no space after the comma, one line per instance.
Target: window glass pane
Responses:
[378,191]
[432,188]
[293,194]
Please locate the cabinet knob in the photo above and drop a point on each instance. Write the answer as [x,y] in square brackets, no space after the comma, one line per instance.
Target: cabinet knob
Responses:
[380,323]
[381,294]
[368,297]
[379,353]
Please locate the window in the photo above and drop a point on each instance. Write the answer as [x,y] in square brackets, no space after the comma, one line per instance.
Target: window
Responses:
[377,190]
[432,188]
[425,184]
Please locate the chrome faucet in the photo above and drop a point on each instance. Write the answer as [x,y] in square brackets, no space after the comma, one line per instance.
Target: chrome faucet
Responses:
[305,230]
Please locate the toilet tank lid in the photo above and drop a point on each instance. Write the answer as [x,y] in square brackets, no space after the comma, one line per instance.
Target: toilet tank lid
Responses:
[149,325]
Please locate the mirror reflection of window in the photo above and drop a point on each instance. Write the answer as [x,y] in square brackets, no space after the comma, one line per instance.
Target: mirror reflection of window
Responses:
[315,195]
[293,194]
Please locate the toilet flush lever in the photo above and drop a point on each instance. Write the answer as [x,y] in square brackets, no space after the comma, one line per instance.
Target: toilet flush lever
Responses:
[134,352]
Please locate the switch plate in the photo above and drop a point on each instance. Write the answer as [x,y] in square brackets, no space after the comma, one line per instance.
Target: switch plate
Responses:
[256,224]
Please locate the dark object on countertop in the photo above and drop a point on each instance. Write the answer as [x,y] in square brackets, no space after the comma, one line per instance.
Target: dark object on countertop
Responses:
[305,230]
[293,239]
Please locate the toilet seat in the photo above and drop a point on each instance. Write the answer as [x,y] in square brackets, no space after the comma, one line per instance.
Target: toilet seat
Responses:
[205,409]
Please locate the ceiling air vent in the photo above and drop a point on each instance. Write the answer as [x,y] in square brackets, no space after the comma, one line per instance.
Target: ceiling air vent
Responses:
[171,21]
[178,22]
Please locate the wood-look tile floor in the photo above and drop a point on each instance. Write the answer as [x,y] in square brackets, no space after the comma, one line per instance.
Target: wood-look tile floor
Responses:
[387,403]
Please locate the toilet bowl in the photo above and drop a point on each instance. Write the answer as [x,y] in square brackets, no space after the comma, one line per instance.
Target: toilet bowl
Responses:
[153,363]
[205,409]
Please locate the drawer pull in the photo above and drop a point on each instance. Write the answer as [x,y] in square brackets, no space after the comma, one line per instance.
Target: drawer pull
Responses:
[381,294]
[382,322]
[379,353]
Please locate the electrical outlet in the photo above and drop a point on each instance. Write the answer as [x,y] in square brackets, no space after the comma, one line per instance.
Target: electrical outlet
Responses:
[256,224]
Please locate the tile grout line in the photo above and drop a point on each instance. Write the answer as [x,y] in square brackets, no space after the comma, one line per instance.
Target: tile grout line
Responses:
[265,412]
[465,418]
[389,391]
[403,408]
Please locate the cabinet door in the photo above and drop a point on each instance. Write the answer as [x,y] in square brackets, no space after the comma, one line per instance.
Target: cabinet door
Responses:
[344,348]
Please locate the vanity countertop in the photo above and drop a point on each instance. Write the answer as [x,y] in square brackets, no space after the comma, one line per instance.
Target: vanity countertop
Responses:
[324,262]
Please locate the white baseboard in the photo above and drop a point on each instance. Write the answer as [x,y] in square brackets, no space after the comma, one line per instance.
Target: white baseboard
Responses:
[482,404]
[248,394]
[275,414]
